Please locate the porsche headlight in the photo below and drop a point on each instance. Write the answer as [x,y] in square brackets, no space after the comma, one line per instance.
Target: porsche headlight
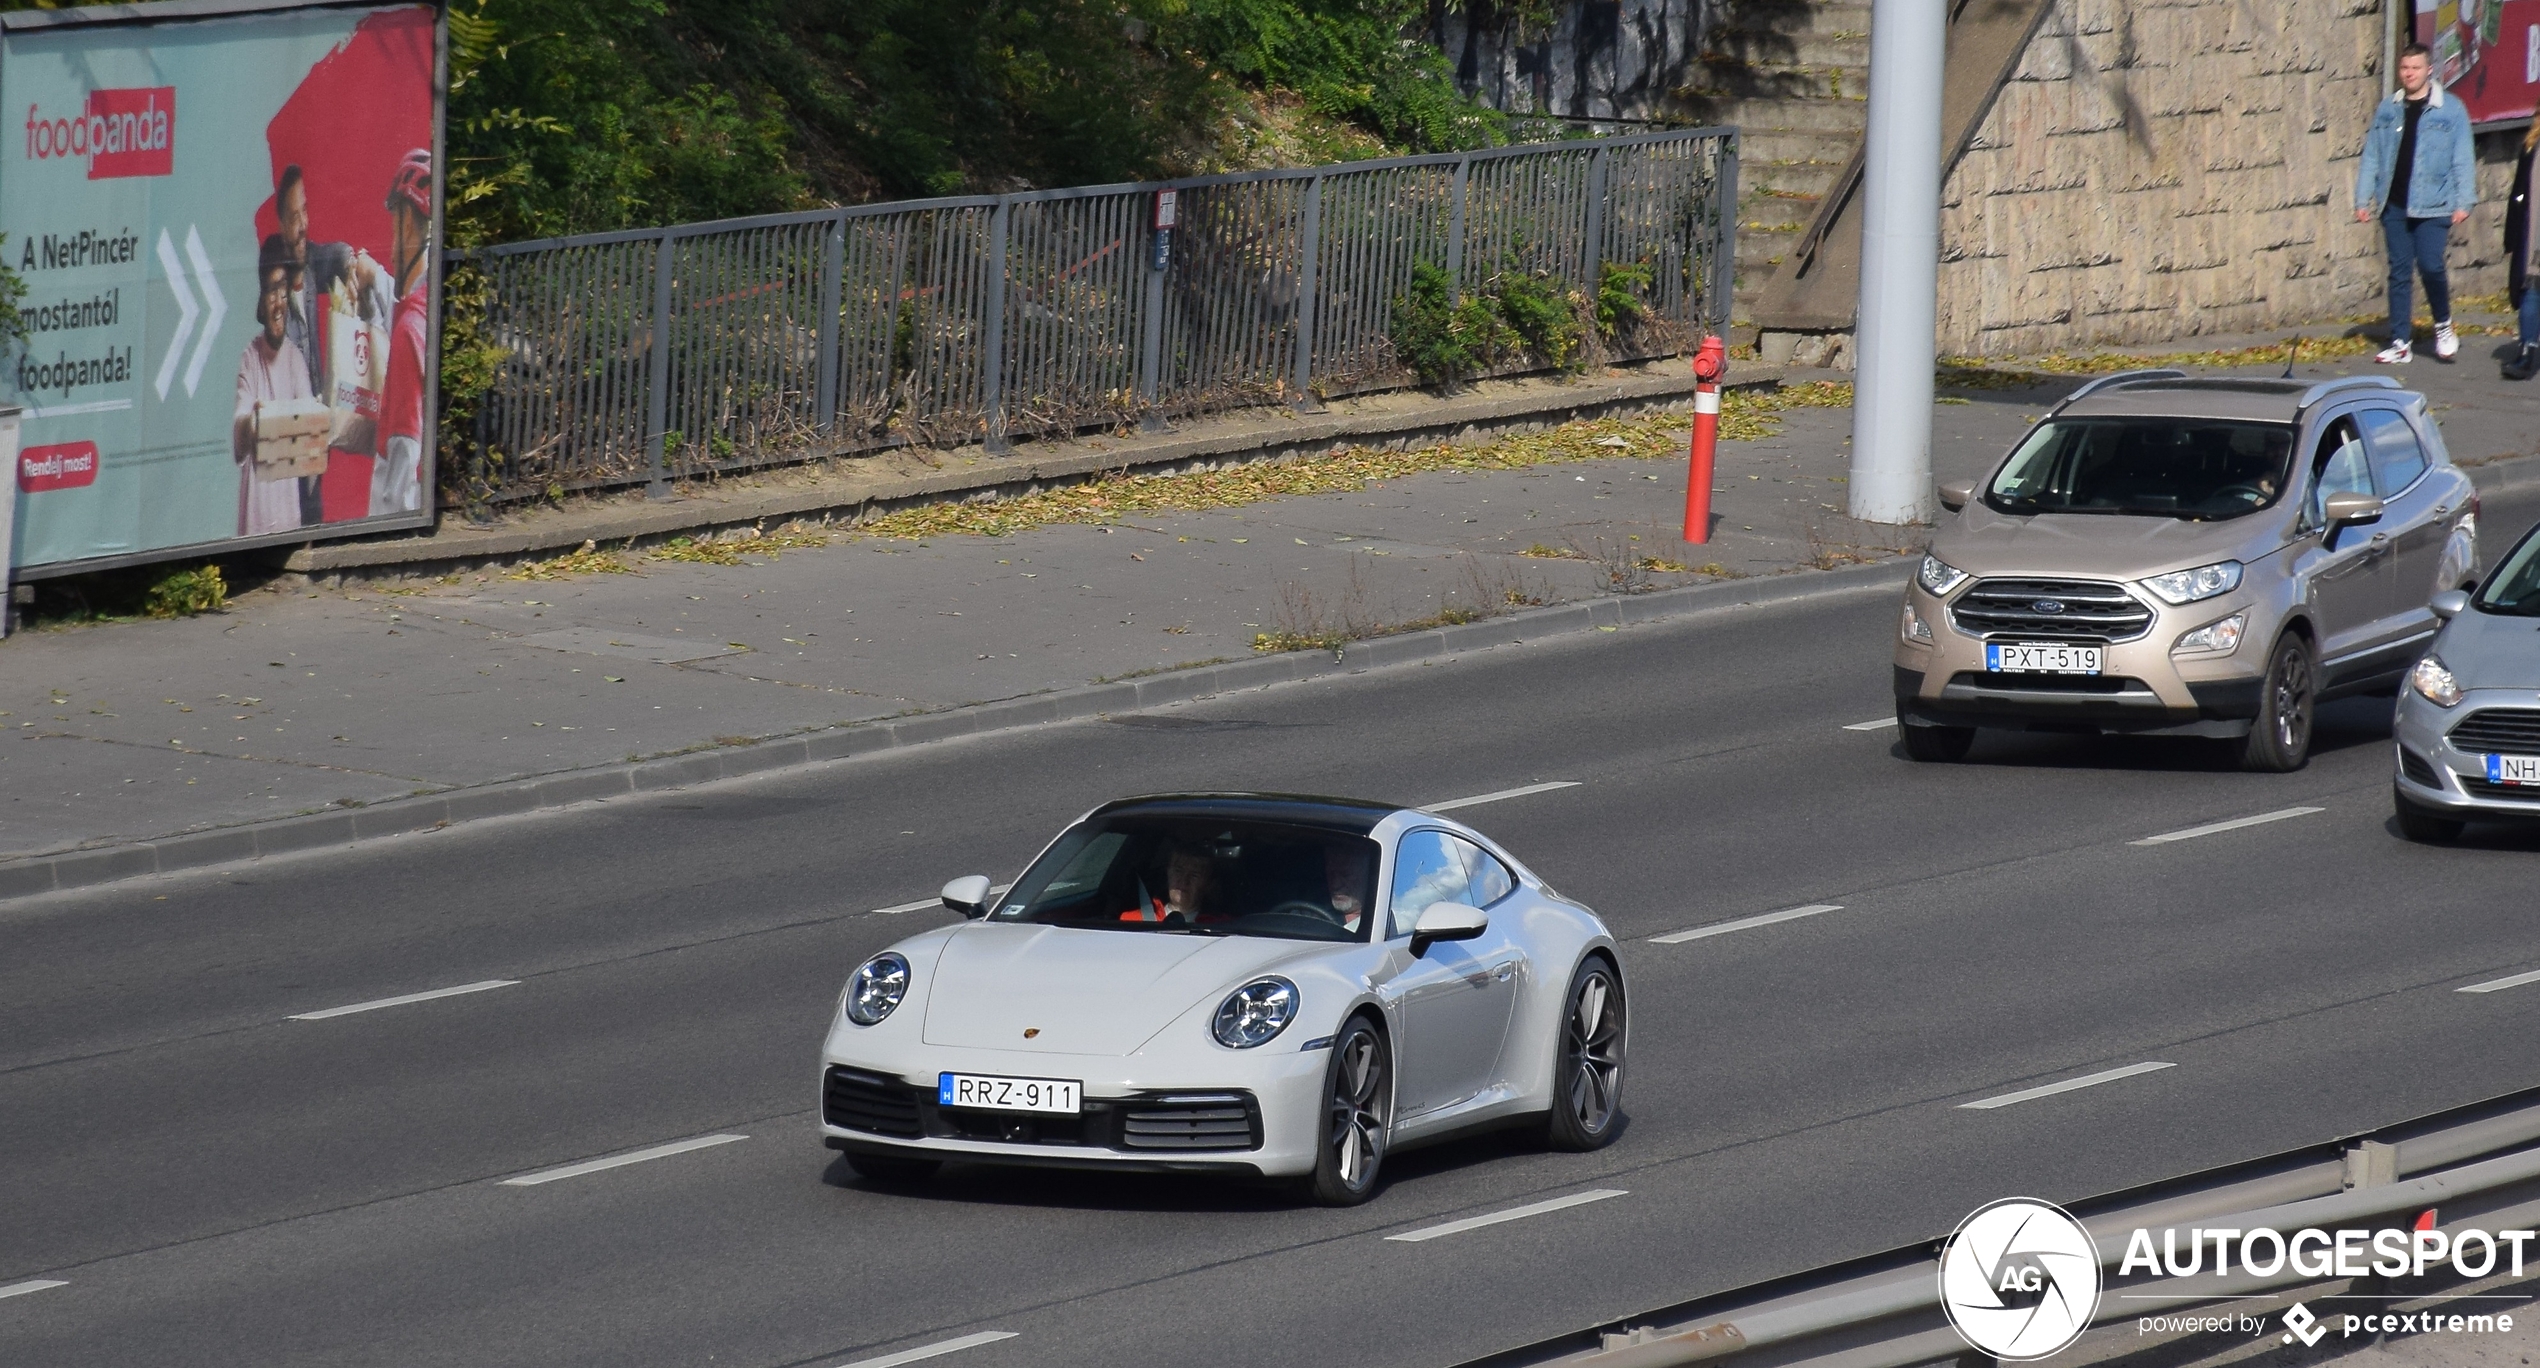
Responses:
[877,987]
[2434,683]
[1253,1014]
[1939,576]
[2203,582]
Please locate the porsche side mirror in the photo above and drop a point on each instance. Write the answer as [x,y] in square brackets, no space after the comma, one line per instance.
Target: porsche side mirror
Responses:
[968,895]
[1957,494]
[1446,921]
[2449,604]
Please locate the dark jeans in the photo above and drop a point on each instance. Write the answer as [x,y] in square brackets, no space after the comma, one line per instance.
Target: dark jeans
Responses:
[2416,246]
[2527,328]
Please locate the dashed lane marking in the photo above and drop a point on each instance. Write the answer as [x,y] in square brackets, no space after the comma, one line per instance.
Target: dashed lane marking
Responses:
[1511,1214]
[2234,824]
[1480,798]
[622,1160]
[924,1352]
[2068,1085]
[408,998]
[1743,923]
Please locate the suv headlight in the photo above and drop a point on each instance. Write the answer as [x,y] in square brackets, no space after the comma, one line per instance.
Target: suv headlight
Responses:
[2203,582]
[877,987]
[1254,1013]
[2434,683]
[2214,638]
[1939,576]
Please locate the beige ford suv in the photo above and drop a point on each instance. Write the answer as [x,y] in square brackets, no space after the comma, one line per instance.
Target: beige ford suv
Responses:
[2187,557]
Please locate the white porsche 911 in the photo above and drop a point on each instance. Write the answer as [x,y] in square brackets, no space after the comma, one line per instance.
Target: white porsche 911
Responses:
[1237,983]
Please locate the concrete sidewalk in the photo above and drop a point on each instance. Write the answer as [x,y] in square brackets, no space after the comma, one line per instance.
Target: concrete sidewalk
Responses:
[300,702]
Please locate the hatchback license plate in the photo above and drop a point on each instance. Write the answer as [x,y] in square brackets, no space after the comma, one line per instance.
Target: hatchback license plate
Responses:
[991,1093]
[2042,657]
[2513,769]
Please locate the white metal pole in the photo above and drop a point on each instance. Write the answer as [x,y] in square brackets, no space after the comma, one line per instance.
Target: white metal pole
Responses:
[8,509]
[1900,263]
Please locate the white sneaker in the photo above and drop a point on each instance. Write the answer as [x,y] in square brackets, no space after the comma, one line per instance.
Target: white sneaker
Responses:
[2396,354]
[2447,344]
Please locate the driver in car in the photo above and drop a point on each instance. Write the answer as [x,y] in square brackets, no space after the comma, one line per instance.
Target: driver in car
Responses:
[1189,877]
[1345,872]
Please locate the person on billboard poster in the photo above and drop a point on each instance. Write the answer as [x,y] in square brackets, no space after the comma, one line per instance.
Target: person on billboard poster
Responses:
[271,372]
[337,289]
[2419,173]
[396,482]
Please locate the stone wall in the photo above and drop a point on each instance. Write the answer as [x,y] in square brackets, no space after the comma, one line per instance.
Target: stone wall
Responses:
[2164,169]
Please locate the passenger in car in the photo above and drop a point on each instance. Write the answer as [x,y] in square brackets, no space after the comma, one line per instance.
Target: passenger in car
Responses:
[1189,878]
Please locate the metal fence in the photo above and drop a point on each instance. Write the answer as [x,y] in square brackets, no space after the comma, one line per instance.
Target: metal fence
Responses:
[658,355]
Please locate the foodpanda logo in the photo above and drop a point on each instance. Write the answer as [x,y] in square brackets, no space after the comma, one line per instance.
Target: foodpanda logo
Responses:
[130,132]
[2020,1279]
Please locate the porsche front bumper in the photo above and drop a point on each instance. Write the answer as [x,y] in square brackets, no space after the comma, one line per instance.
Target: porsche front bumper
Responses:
[1254,1114]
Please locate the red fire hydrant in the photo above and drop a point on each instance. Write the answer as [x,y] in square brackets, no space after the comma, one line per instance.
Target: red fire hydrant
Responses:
[1709,364]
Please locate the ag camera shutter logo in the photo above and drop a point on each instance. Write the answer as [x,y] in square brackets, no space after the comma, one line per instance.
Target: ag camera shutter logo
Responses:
[2019,1279]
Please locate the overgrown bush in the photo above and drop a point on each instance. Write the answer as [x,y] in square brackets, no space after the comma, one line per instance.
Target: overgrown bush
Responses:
[1622,290]
[184,593]
[1440,339]
[1547,316]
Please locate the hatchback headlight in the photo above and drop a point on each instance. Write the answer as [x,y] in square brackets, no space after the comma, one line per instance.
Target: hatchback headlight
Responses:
[1939,576]
[2203,582]
[877,988]
[2434,683]
[2214,638]
[1253,1014]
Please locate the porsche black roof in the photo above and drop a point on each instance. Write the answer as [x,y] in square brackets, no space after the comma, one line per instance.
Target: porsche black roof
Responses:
[1353,815]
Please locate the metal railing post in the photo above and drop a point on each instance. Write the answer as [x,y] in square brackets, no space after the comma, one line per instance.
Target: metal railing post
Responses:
[1592,255]
[1308,298]
[992,359]
[1724,285]
[1455,229]
[657,388]
[1151,332]
[833,270]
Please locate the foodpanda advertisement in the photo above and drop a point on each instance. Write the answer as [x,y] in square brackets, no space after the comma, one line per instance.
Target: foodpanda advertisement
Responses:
[226,229]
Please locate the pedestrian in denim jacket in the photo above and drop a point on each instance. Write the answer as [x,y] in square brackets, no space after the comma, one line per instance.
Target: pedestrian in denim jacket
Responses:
[2419,173]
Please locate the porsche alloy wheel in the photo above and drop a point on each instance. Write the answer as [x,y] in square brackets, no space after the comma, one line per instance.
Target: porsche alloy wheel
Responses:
[1356,1118]
[1587,1086]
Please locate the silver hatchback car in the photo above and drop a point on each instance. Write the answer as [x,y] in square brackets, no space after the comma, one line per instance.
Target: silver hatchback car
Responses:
[2468,724]
[2190,557]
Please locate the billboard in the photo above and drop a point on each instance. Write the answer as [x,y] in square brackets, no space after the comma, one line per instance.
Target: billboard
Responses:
[226,218]
[2487,52]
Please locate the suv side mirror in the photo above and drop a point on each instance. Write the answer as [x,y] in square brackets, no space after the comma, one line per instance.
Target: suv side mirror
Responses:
[1957,494]
[1446,921]
[2348,509]
[968,895]
[2449,604]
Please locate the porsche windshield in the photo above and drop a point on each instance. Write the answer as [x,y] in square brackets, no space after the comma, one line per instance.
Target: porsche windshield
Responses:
[1189,875]
[2192,468]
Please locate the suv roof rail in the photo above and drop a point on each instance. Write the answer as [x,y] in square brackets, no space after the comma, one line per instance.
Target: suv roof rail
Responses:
[2162,373]
[2325,388]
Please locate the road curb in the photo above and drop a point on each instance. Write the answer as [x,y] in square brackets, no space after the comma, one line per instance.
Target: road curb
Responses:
[89,867]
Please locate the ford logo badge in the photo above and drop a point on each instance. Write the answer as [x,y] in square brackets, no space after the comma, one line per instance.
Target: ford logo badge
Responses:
[2047,606]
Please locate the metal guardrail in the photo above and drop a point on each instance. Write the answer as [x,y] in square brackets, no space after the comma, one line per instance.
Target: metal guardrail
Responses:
[648,356]
[2478,1167]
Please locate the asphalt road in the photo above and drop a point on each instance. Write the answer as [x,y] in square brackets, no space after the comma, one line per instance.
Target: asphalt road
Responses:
[212,1183]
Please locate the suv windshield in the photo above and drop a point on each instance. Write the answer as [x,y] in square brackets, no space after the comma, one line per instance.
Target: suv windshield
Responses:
[2199,469]
[1200,876]
[2514,590]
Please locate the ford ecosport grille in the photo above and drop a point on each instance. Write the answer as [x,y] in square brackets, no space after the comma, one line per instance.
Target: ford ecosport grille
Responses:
[2510,731]
[2050,608]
